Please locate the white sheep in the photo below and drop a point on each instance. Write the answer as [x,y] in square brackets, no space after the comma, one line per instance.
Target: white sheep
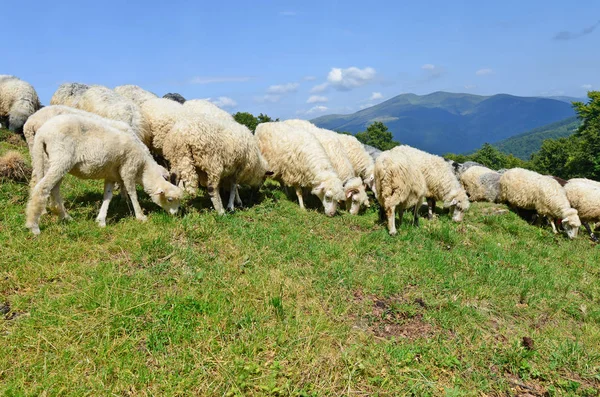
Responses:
[68,94]
[106,103]
[135,93]
[202,106]
[18,101]
[297,159]
[361,160]
[91,149]
[399,185]
[354,190]
[529,190]
[471,180]
[160,115]
[441,181]
[210,152]
[584,196]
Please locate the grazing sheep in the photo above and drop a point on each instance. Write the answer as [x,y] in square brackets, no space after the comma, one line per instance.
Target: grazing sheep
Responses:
[175,97]
[160,115]
[584,196]
[441,181]
[68,94]
[531,191]
[204,107]
[135,93]
[399,184]
[460,168]
[91,149]
[362,162]
[299,160]
[477,187]
[373,151]
[18,101]
[354,190]
[210,152]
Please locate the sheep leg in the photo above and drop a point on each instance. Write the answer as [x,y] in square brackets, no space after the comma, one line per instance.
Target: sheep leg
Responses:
[40,194]
[215,197]
[589,230]
[232,193]
[431,207]
[400,216]
[137,209]
[391,218]
[416,216]
[59,204]
[238,200]
[553,226]
[348,204]
[300,199]
[108,193]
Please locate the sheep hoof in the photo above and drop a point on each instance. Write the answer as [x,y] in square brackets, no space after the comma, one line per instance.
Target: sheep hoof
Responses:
[101,222]
[35,230]
[66,218]
[142,218]
[393,232]
[594,238]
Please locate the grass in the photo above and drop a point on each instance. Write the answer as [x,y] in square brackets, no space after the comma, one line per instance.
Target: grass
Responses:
[276,301]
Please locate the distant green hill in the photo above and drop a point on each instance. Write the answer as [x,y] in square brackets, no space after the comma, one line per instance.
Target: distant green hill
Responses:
[444,122]
[524,145]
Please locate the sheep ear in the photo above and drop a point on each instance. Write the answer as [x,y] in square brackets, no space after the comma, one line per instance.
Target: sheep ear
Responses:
[159,191]
[454,202]
[349,194]
[317,189]
[174,178]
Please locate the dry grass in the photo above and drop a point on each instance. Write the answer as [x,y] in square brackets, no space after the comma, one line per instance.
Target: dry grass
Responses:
[14,167]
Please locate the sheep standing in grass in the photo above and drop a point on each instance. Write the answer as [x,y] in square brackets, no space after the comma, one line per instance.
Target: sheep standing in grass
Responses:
[354,190]
[68,94]
[160,115]
[584,196]
[299,160]
[399,185]
[209,152]
[362,162]
[441,181]
[135,93]
[91,149]
[106,103]
[531,191]
[18,101]
[479,185]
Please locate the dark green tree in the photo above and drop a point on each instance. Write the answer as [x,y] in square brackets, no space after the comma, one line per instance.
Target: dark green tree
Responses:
[377,135]
[246,119]
[585,158]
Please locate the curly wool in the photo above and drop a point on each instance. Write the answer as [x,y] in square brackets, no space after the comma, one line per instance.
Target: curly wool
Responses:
[204,107]
[18,101]
[161,115]
[471,181]
[68,94]
[361,161]
[584,196]
[135,93]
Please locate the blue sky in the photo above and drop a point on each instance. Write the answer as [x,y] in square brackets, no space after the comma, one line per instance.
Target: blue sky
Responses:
[305,58]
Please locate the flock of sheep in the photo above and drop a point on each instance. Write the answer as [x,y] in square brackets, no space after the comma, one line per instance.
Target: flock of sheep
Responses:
[94,132]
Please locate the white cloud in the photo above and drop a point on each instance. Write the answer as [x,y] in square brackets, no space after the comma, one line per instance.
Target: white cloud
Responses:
[288,13]
[224,79]
[366,105]
[319,88]
[316,99]
[349,78]
[317,109]
[283,88]
[309,78]
[431,72]
[587,87]
[470,86]
[484,72]
[223,102]
[375,96]
[428,66]
[267,98]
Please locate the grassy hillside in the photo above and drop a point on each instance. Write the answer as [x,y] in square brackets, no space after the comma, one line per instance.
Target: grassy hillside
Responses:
[524,145]
[276,301]
[444,122]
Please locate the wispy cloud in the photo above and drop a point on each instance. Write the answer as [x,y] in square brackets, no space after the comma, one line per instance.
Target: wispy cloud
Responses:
[269,98]
[566,35]
[309,78]
[223,102]
[349,78]
[288,13]
[317,109]
[587,87]
[376,96]
[222,79]
[317,99]
[283,88]
[319,88]
[484,72]
[470,86]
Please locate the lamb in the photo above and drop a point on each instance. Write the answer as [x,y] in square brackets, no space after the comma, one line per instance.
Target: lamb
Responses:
[135,93]
[175,97]
[208,151]
[584,196]
[354,190]
[18,101]
[531,191]
[106,103]
[362,162]
[398,184]
[441,181]
[202,106]
[299,160]
[68,94]
[477,187]
[91,149]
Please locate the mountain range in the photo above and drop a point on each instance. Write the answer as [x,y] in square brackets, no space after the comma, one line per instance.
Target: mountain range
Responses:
[444,122]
